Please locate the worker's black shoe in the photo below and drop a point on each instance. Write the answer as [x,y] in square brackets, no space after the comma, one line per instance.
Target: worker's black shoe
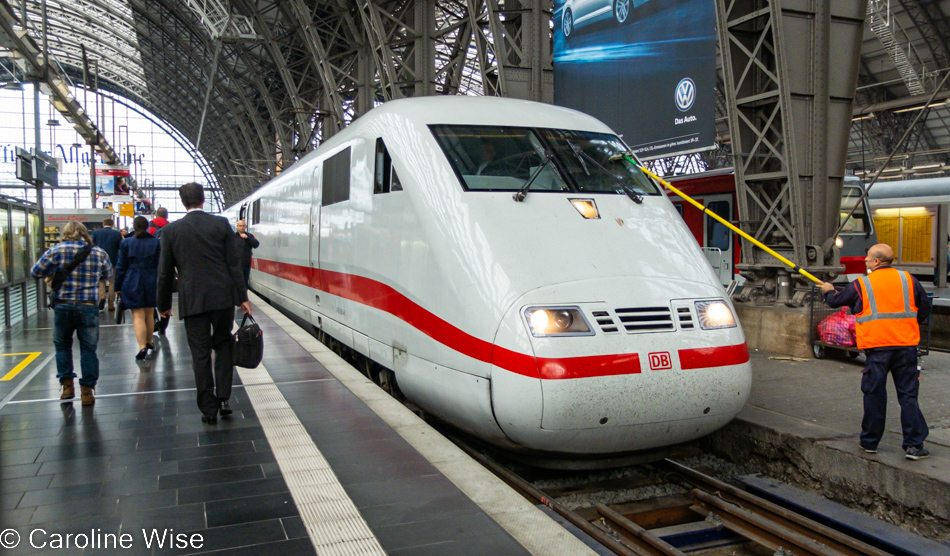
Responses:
[916,453]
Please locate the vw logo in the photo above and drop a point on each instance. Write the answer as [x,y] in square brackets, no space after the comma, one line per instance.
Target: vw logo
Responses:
[685,94]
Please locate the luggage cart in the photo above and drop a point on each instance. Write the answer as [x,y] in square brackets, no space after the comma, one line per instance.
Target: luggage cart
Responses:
[819,311]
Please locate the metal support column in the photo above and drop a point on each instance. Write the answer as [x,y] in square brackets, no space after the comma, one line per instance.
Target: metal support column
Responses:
[789,115]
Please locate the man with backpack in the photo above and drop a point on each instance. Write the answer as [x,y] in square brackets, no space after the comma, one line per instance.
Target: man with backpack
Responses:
[76,267]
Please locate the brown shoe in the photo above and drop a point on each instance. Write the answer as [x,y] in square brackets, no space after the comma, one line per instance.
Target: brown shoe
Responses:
[69,389]
[87,395]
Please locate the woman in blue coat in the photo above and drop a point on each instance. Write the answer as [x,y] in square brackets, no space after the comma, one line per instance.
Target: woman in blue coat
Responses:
[136,279]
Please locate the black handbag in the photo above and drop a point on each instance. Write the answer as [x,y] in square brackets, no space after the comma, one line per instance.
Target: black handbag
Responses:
[119,309]
[248,344]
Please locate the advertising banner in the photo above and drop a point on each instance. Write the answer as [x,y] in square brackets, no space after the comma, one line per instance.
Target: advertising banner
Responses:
[112,184]
[646,68]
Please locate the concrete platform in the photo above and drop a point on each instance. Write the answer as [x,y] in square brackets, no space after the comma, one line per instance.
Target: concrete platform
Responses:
[801,426]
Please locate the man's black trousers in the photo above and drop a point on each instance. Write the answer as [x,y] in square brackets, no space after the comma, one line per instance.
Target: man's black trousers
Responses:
[902,363]
[207,331]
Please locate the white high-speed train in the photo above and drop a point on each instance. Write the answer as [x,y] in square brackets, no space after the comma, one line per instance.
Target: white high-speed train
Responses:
[581,320]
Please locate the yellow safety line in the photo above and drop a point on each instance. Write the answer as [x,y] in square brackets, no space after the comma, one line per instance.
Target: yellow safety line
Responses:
[698,205]
[16,370]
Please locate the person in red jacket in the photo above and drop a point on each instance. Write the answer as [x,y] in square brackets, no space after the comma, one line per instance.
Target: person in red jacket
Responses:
[159,222]
[889,305]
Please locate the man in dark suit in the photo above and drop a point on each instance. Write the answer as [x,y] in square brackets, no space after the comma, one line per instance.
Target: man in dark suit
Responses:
[107,239]
[201,247]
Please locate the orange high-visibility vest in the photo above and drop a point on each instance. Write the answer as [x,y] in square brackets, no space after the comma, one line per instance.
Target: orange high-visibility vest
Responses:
[888,315]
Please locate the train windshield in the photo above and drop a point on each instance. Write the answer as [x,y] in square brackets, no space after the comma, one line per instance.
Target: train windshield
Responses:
[858,223]
[494,158]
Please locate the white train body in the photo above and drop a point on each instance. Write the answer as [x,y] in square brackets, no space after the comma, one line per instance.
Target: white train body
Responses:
[435,281]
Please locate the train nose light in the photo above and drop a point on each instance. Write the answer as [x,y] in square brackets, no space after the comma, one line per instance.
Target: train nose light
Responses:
[557,321]
[563,320]
[839,243]
[715,314]
[539,320]
[586,207]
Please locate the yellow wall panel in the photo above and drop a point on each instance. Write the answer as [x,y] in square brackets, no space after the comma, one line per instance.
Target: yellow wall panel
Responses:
[888,230]
[916,239]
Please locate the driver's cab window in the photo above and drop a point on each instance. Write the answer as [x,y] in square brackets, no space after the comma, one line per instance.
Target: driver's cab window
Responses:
[498,158]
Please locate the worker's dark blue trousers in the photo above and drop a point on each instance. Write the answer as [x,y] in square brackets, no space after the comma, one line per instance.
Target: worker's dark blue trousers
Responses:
[903,366]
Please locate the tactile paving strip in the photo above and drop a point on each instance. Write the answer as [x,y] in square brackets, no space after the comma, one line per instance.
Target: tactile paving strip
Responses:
[537,532]
[334,524]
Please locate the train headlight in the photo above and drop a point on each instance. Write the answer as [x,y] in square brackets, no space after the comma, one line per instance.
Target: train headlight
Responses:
[557,321]
[839,243]
[715,314]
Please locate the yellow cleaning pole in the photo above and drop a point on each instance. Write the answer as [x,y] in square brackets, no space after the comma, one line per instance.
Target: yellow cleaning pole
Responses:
[698,205]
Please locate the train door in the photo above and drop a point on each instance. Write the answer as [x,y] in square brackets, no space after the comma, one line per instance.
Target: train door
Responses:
[718,242]
[317,197]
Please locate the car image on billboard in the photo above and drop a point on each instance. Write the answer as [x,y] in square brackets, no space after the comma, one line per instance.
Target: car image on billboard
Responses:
[575,14]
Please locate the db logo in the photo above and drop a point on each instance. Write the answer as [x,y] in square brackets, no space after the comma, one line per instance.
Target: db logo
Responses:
[660,361]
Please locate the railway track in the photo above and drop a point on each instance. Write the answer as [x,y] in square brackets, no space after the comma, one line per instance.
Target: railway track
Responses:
[738,518]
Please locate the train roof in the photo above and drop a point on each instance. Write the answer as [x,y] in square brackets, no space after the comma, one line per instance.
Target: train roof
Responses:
[933,190]
[472,110]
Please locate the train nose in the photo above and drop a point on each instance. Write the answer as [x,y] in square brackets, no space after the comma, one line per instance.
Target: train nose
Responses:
[646,375]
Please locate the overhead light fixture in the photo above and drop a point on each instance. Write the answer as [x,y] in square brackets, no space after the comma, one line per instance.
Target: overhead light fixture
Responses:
[892,169]
[13,86]
[52,122]
[926,167]
[911,109]
[867,116]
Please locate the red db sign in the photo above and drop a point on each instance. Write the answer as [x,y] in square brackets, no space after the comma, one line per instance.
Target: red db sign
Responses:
[660,361]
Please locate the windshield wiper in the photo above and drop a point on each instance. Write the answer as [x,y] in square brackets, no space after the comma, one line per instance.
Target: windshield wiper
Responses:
[580,156]
[635,196]
[523,192]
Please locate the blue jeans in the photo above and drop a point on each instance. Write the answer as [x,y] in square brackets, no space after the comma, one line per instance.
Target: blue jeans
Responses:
[84,320]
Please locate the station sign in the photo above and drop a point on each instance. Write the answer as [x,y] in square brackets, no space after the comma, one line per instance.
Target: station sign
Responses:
[143,207]
[40,166]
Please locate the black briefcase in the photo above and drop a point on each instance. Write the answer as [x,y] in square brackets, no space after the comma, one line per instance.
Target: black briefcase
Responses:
[248,344]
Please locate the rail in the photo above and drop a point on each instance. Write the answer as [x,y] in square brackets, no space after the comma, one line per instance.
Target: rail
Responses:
[748,516]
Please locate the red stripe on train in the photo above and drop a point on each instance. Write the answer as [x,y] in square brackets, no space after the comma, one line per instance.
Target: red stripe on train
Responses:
[854,265]
[379,296]
[702,358]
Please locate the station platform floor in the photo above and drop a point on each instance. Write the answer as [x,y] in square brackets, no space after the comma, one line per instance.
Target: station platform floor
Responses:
[314,459]
[802,423]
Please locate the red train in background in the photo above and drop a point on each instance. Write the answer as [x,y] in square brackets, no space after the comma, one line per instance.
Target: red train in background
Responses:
[716,190]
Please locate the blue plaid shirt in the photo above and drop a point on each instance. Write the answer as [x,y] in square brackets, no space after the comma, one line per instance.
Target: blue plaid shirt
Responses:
[82,284]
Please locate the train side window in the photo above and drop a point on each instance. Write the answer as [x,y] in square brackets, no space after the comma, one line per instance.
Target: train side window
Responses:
[256,212]
[336,178]
[679,208]
[385,178]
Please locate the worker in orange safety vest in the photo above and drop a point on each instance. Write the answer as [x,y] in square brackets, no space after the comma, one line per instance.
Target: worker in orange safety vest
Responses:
[888,305]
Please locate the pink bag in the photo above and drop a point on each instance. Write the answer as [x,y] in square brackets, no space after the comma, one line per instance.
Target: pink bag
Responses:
[838,329]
